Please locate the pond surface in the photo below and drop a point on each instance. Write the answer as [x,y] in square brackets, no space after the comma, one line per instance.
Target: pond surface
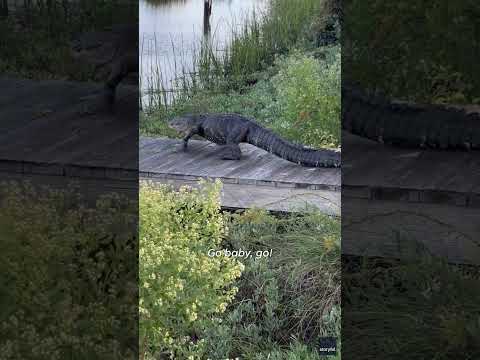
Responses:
[171,32]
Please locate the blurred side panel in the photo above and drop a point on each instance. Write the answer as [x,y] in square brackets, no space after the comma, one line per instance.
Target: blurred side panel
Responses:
[410,180]
[69,179]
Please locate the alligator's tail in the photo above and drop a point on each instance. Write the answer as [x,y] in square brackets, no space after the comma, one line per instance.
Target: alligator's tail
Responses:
[267,140]
[404,124]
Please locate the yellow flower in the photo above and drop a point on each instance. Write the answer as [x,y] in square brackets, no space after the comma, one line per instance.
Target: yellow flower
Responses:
[329,243]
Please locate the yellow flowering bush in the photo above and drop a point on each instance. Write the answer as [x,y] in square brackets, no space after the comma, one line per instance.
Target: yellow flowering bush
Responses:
[182,289]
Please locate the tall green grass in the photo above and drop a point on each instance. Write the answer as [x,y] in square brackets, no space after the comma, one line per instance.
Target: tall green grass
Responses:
[262,38]
[416,308]
[253,48]
[35,36]
[419,52]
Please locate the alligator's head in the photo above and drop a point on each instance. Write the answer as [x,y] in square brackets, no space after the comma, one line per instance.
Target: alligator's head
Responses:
[183,124]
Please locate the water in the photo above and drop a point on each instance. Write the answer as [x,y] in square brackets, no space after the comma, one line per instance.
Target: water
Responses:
[171,31]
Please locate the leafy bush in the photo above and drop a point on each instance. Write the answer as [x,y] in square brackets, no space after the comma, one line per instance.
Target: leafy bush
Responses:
[309,97]
[182,289]
[69,281]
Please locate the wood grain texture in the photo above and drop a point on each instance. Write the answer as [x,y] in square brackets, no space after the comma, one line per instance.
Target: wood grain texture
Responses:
[394,198]
[259,179]
[238,196]
[413,175]
[391,229]
[202,159]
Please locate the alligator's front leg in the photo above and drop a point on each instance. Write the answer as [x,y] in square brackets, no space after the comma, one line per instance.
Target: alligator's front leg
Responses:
[187,137]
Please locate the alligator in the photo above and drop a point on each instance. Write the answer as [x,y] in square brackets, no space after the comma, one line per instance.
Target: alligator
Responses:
[229,130]
[113,53]
[374,116]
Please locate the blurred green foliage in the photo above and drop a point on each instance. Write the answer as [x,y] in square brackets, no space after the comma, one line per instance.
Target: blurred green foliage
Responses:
[422,51]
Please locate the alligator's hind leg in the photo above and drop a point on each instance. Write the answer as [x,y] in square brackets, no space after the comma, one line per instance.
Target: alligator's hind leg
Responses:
[232,149]
[120,69]
[231,152]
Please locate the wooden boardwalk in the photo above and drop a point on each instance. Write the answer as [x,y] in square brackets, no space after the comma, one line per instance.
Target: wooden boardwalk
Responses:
[259,179]
[388,194]
[43,122]
[46,137]
[392,196]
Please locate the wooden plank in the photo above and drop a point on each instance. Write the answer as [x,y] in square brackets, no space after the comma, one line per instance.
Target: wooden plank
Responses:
[38,125]
[369,164]
[388,228]
[237,196]
[144,142]
[256,165]
[176,161]
[32,99]
[90,189]
[450,171]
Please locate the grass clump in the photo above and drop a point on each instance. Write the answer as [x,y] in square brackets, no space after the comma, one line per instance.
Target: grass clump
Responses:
[262,38]
[287,302]
[420,52]
[422,306]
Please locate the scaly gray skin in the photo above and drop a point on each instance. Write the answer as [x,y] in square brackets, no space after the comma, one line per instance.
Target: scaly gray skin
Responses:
[409,125]
[230,130]
[113,52]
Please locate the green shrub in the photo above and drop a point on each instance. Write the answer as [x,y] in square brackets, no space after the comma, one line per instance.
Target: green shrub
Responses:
[60,295]
[309,97]
[182,289]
